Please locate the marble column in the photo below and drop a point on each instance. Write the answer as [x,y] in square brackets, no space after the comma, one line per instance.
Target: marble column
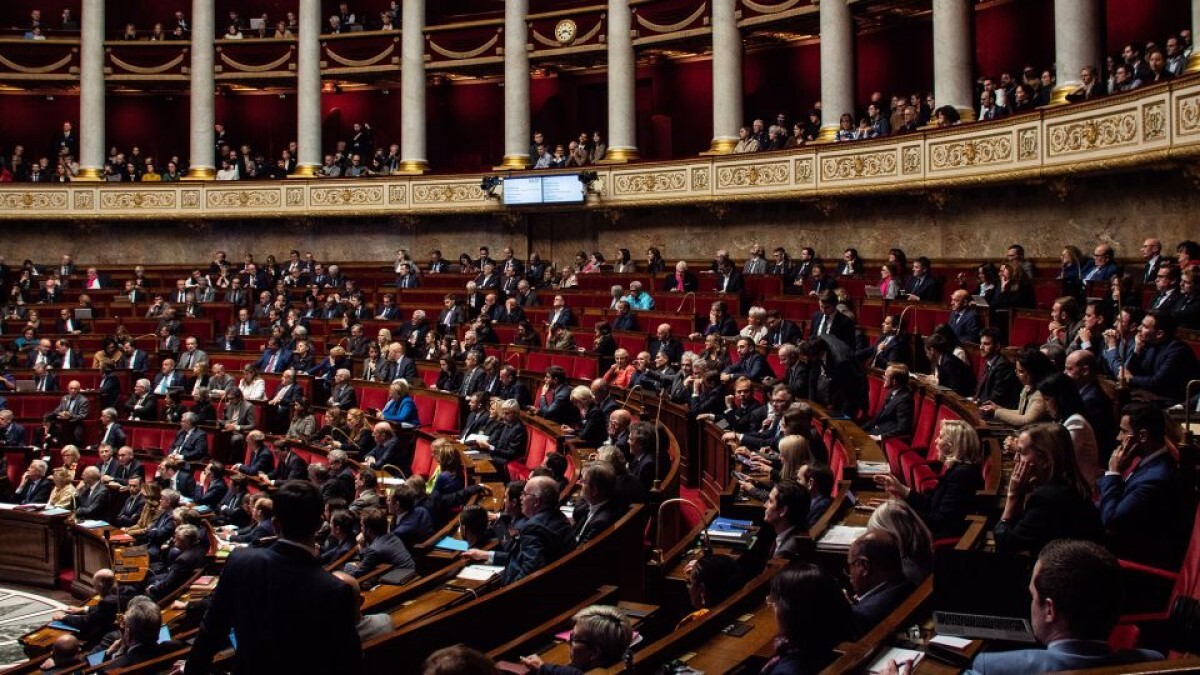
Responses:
[516,85]
[91,92]
[622,81]
[308,90]
[1077,27]
[953,56]
[727,77]
[412,89]
[837,66]
[202,160]
[1193,64]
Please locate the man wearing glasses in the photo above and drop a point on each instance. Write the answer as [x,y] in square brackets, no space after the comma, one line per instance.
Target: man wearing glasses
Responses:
[1102,267]
[543,537]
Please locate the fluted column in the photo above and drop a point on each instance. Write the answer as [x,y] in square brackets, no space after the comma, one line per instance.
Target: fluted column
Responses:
[1193,64]
[953,56]
[91,91]
[308,90]
[1077,26]
[201,162]
[727,77]
[412,88]
[516,85]
[622,79]
[837,65]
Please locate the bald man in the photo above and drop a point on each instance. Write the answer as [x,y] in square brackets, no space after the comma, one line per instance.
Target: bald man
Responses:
[964,321]
[1082,367]
[545,535]
[94,621]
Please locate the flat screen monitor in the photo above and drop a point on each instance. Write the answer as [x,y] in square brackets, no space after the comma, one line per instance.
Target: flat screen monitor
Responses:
[523,190]
[563,189]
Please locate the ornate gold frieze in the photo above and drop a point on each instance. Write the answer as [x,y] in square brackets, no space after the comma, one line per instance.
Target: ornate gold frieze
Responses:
[84,200]
[752,176]
[1095,133]
[910,162]
[802,168]
[1154,121]
[398,195]
[34,200]
[863,165]
[433,193]
[1027,143]
[139,199]
[974,152]
[242,199]
[346,196]
[1188,115]
[650,182]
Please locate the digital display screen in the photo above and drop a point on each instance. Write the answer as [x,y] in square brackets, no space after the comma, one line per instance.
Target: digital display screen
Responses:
[523,190]
[564,189]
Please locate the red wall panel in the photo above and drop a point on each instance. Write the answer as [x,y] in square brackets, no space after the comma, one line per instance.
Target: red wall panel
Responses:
[1142,21]
[32,121]
[158,125]
[1011,34]
[894,61]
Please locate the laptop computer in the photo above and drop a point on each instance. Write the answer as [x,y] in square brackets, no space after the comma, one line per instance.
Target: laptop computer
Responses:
[982,595]
[979,301]
[872,291]
[24,385]
[83,313]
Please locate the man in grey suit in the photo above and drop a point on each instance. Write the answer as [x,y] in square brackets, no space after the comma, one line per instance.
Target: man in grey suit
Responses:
[379,546]
[1075,603]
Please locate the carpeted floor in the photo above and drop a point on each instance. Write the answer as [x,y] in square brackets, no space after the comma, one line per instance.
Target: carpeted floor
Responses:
[20,612]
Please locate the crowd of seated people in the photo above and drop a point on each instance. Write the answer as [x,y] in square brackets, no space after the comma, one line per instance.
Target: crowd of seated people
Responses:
[1083,471]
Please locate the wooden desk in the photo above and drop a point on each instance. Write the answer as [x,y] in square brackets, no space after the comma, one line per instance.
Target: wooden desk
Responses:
[722,652]
[30,550]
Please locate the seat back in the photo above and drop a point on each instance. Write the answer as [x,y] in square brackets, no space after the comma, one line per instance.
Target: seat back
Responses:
[874,394]
[926,425]
[423,457]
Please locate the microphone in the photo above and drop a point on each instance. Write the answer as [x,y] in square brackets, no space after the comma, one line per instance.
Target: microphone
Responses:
[683,300]
[625,405]
[900,325]
[705,543]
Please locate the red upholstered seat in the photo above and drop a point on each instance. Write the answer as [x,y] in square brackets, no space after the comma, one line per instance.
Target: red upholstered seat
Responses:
[425,405]
[838,460]
[537,362]
[875,395]
[445,416]
[372,397]
[1142,579]
[430,377]
[923,455]
[423,458]
[540,444]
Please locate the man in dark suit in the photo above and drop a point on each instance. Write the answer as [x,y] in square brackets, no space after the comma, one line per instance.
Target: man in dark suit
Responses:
[560,314]
[281,595]
[921,285]
[729,279]
[342,394]
[185,556]
[554,402]
[44,379]
[35,487]
[452,316]
[11,433]
[93,621]
[509,442]
[1166,283]
[877,575]
[664,341]
[167,378]
[173,474]
[1148,513]
[142,405]
[829,321]
[109,387]
[43,354]
[389,450]
[478,415]
[818,480]
[786,513]
[143,623]
[780,331]
[213,488]
[597,508]
[127,467]
[91,502]
[1075,609]
[750,363]
[895,416]
[949,370]
[380,546]
[891,347]
[1161,364]
[191,443]
[543,536]
[999,383]
[719,322]
[511,387]
[964,320]
[411,522]
[131,510]
[681,281]
[261,459]
[1098,407]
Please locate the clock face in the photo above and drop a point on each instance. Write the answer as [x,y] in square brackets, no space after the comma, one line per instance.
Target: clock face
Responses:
[565,31]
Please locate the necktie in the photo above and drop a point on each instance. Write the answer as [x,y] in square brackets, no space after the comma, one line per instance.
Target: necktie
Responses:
[824,326]
[71,407]
[107,432]
[162,385]
[272,362]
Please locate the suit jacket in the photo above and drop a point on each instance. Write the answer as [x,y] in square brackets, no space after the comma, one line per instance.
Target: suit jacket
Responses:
[786,333]
[734,283]
[541,539]
[180,568]
[955,375]
[97,620]
[77,406]
[192,445]
[262,462]
[290,467]
[878,603]
[895,417]
[559,407]
[517,390]
[585,528]
[593,427]
[392,453]
[946,508]
[754,366]
[1163,369]
[143,408]
[841,328]
[92,503]
[110,391]
[965,324]
[387,549]
[1057,656]
[284,582]
[254,533]
[561,317]
[745,419]
[124,473]
[34,492]
[690,285]
[509,443]
[14,435]
[451,317]
[999,384]
[887,349]
[343,396]
[171,379]
[1051,512]
[414,527]
[926,288]
[213,495]
[1145,513]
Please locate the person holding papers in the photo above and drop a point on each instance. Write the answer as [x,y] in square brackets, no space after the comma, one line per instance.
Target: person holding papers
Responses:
[545,535]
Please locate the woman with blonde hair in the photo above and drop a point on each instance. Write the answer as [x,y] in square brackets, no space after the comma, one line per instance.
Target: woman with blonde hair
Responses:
[899,519]
[794,452]
[400,407]
[447,487]
[70,460]
[945,509]
[358,439]
[1048,497]
[63,494]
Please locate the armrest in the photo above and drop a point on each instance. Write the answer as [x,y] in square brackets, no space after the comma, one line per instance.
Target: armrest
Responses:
[1146,569]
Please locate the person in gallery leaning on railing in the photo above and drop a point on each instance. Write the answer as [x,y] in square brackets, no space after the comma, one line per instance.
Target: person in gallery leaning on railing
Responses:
[357,155]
